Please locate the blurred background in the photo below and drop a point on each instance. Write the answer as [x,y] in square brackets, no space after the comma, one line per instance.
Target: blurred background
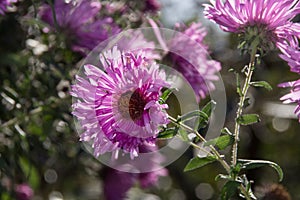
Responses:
[40,154]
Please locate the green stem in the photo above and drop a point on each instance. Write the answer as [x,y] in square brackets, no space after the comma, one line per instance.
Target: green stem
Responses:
[202,139]
[249,73]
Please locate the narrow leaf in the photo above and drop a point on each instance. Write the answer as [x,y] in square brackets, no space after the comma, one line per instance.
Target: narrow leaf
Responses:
[263,84]
[238,84]
[191,115]
[168,133]
[198,162]
[248,119]
[183,135]
[226,131]
[207,109]
[166,94]
[253,164]
[221,142]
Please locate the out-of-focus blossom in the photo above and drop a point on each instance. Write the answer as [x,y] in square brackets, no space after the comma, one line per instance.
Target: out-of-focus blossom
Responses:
[191,59]
[4,4]
[293,96]
[23,192]
[152,6]
[135,41]
[79,22]
[117,183]
[267,23]
[273,192]
[119,108]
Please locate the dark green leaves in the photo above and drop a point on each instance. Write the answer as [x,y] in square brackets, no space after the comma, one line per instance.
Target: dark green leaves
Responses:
[229,189]
[253,164]
[198,162]
[263,84]
[248,119]
[193,114]
[221,142]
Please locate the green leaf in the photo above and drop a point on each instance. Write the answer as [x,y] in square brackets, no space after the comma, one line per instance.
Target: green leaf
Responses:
[226,131]
[221,142]
[253,164]
[246,102]
[263,84]
[229,189]
[168,133]
[191,115]
[248,119]
[198,162]
[207,109]
[30,172]
[238,84]
[183,135]
[222,176]
[165,95]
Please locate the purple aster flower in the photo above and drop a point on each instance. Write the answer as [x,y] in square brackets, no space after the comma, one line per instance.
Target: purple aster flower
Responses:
[23,192]
[192,60]
[293,96]
[268,22]
[119,108]
[293,58]
[80,23]
[4,4]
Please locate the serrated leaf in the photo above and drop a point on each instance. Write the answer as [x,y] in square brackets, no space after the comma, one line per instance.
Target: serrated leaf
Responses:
[248,119]
[166,94]
[191,115]
[221,142]
[263,84]
[168,133]
[253,164]
[198,162]
[229,189]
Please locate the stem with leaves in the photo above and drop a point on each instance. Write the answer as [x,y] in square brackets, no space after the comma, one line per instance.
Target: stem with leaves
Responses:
[243,94]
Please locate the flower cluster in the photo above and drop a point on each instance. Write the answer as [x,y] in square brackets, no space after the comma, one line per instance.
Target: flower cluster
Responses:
[119,108]
[191,59]
[4,4]
[80,23]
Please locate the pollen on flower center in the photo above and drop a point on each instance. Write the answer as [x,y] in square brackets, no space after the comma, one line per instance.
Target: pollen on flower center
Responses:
[131,105]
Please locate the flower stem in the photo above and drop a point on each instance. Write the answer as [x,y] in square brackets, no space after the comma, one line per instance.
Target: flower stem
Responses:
[249,73]
[212,148]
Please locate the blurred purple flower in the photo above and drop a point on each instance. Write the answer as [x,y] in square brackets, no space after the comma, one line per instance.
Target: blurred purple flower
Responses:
[152,6]
[80,23]
[268,22]
[23,192]
[119,108]
[4,4]
[293,96]
[117,183]
[191,59]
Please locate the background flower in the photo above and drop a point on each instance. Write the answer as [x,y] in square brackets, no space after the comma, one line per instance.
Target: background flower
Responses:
[80,23]
[192,59]
[293,96]
[4,4]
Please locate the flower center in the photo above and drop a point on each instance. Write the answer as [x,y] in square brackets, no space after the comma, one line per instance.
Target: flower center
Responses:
[131,105]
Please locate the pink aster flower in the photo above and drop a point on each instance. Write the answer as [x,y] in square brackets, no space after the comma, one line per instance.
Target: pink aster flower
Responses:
[191,59]
[269,22]
[80,23]
[4,4]
[119,108]
[293,96]
[292,56]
